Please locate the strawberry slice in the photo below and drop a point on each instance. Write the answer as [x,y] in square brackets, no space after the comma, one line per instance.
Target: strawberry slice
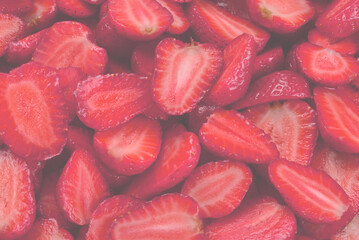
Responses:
[350,232]
[311,193]
[42,15]
[69,44]
[106,213]
[213,24]
[156,113]
[17,197]
[15,7]
[81,234]
[270,61]
[76,8]
[12,27]
[248,221]
[81,187]
[168,217]
[339,19]
[179,155]
[338,118]
[325,66]
[235,7]
[239,57]
[198,116]
[106,101]
[139,19]
[180,22]
[33,114]
[130,148]
[218,187]
[292,125]
[282,85]
[229,134]
[281,16]
[183,74]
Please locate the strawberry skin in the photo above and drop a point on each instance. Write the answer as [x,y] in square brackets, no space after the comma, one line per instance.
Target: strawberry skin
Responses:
[15,7]
[350,232]
[180,22]
[12,27]
[42,15]
[76,8]
[270,61]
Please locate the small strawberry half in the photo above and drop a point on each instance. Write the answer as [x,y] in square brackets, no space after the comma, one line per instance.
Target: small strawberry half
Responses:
[42,15]
[198,116]
[183,73]
[15,7]
[76,8]
[180,22]
[270,61]
[311,193]
[167,217]
[12,27]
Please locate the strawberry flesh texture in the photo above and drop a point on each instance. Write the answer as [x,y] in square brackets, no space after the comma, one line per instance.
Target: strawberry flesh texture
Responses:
[12,27]
[76,8]
[36,168]
[15,7]
[270,61]
[350,232]
[156,113]
[42,15]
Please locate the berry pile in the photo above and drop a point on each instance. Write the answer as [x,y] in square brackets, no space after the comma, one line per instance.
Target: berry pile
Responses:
[179,119]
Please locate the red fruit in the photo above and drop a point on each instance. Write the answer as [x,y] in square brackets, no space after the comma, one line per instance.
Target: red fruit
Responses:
[291,62]
[15,7]
[218,187]
[76,8]
[239,57]
[312,194]
[179,155]
[95,2]
[33,115]
[291,124]
[47,229]
[79,138]
[113,179]
[106,213]
[282,85]
[183,74]
[156,113]
[12,27]
[325,66]
[198,116]
[230,135]
[35,168]
[235,7]
[168,217]
[69,44]
[350,232]
[143,58]
[42,15]
[106,101]
[212,24]
[81,234]
[350,91]
[180,22]
[281,16]
[258,218]
[81,187]
[270,61]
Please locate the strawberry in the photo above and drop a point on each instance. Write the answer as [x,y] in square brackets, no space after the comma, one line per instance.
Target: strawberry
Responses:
[218,187]
[350,91]
[167,217]
[12,27]
[325,66]
[76,8]
[36,169]
[143,57]
[180,22]
[106,213]
[316,197]
[198,116]
[15,7]
[175,92]
[229,134]
[81,187]
[248,221]
[106,101]
[239,57]
[79,138]
[95,2]
[113,179]
[212,24]
[69,44]
[279,16]
[156,113]
[33,115]
[350,232]
[337,116]
[292,126]
[42,15]
[282,85]
[291,62]
[235,7]
[179,155]
[270,61]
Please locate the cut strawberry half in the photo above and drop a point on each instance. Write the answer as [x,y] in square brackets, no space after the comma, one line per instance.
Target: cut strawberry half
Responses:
[42,15]
[338,118]
[168,217]
[156,113]
[12,27]
[198,116]
[312,194]
[235,7]
[350,232]
[248,221]
[33,114]
[230,135]
[212,24]
[106,101]
[325,66]
[183,74]
[270,61]
[218,187]
[179,155]
[79,138]
[239,57]
[292,125]
[69,44]
[180,22]
[76,8]
[15,7]
[81,187]
[281,16]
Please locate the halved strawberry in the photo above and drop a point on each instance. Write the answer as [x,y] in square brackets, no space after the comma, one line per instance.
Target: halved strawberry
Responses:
[281,16]
[106,101]
[291,124]
[198,116]
[239,57]
[106,213]
[229,134]
[339,19]
[42,15]
[79,138]
[218,187]
[33,114]
[69,44]
[338,119]
[258,218]
[179,155]
[15,7]
[270,61]
[350,232]
[12,27]
[291,62]
[113,179]
[76,8]
[212,24]
[325,66]
[183,74]
[235,7]
[81,187]
[311,193]
[168,217]
[350,91]
[156,113]
[180,22]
